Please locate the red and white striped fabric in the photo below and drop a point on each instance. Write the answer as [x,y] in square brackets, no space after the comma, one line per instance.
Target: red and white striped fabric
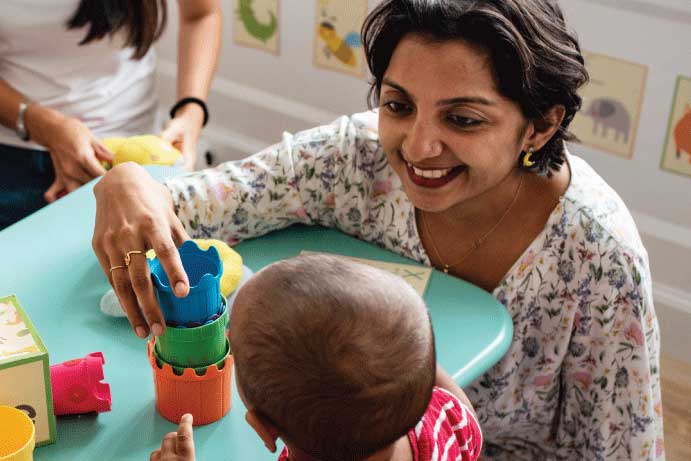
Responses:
[448,431]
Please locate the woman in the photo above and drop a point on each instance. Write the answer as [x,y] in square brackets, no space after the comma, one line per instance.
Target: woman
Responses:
[463,168]
[75,71]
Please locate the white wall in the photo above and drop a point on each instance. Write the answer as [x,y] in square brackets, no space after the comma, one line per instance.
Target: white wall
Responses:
[256,96]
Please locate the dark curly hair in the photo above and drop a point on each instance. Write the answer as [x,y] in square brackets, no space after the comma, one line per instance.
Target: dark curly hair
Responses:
[536,59]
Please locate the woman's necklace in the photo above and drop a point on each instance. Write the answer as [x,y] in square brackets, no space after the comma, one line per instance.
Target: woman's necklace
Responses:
[476,244]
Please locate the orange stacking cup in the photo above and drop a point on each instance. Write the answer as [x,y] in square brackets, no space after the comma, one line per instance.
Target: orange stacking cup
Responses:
[206,397]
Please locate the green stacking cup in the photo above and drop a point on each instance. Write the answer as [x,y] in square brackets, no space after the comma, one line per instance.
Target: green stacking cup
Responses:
[194,347]
[200,371]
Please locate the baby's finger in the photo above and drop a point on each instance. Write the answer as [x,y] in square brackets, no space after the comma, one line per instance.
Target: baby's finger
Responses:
[184,442]
[155,455]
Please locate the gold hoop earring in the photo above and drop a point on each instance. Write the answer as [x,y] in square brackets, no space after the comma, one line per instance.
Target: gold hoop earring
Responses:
[527,162]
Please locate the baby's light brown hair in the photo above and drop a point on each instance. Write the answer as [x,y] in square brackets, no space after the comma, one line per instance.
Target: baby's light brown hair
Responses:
[338,355]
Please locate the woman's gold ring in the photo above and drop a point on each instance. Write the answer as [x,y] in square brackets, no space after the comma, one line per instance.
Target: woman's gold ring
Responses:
[128,257]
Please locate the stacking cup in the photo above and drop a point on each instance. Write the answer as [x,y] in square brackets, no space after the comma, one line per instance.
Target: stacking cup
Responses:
[194,347]
[77,386]
[18,435]
[204,270]
[198,369]
[204,392]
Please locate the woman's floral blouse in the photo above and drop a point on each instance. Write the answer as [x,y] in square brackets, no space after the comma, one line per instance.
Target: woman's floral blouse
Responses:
[580,380]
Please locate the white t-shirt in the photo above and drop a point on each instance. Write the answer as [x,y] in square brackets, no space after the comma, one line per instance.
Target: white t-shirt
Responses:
[97,83]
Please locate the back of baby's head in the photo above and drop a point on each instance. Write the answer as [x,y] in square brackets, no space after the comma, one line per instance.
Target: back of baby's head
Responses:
[339,356]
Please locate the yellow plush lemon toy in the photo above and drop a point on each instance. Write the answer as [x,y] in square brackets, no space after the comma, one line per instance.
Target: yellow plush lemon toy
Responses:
[231,260]
[144,150]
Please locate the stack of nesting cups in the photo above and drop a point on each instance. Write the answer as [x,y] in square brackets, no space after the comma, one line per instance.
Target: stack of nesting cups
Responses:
[191,361]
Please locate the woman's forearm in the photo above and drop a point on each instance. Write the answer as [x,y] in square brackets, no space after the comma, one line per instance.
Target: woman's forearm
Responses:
[199,41]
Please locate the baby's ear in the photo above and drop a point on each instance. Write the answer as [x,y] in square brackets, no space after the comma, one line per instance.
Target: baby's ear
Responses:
[264,429]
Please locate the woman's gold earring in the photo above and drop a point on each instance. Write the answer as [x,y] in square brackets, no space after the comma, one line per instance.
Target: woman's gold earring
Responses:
[527,162]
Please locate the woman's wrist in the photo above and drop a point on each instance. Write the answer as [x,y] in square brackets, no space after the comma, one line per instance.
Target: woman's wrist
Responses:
[185,103]
[191,113]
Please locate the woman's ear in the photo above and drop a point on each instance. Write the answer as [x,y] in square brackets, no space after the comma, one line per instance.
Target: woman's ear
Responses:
[264,429]
[541,130]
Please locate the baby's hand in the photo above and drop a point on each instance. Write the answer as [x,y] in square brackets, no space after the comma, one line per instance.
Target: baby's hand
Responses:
[177,446]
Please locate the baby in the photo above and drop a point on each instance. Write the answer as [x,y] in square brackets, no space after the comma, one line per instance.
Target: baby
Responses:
[337,360]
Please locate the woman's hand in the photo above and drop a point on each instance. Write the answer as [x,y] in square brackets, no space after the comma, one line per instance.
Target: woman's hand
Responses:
[73,148]
[177,446]
[134,213]
[183,132]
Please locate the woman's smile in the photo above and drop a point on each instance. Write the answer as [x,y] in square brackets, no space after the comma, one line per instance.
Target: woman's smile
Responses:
[433,178]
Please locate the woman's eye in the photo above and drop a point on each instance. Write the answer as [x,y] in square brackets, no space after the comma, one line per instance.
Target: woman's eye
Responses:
[397,107]
[463,122]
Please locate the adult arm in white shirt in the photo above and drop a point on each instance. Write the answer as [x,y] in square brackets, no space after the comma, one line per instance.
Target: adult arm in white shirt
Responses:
[199,41]
[74,150]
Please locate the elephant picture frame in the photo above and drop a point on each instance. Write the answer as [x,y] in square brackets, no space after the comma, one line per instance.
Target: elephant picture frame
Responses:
[612,102]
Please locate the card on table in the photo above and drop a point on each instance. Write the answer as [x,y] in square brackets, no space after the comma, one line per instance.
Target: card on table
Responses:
[416,276]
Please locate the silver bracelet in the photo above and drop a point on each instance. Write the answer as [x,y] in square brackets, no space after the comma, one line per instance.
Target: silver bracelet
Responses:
[21,127]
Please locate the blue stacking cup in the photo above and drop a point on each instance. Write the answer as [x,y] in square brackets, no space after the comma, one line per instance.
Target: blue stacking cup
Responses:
[204,270]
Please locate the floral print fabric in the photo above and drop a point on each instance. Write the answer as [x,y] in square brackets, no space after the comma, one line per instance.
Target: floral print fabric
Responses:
[581,378]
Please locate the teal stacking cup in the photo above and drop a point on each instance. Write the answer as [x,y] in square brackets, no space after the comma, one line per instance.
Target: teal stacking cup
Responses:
[194,347]
[204,269]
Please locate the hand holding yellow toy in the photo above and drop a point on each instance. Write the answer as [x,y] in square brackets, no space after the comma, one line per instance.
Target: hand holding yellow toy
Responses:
[144,150]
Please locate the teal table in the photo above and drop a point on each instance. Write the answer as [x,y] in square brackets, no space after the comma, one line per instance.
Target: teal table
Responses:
[48,262]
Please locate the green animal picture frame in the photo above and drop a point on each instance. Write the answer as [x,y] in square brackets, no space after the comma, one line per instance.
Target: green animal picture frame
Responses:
[256,24]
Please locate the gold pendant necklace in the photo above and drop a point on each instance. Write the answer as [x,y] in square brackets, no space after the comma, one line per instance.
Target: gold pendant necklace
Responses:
[477,243]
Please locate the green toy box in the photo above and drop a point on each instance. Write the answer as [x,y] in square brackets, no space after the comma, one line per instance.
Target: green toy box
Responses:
[24,369]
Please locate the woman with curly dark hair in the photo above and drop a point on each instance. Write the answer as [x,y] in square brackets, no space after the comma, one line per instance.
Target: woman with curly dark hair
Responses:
[463,167]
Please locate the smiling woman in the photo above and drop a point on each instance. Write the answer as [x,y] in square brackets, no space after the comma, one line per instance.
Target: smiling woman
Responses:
[463,166]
